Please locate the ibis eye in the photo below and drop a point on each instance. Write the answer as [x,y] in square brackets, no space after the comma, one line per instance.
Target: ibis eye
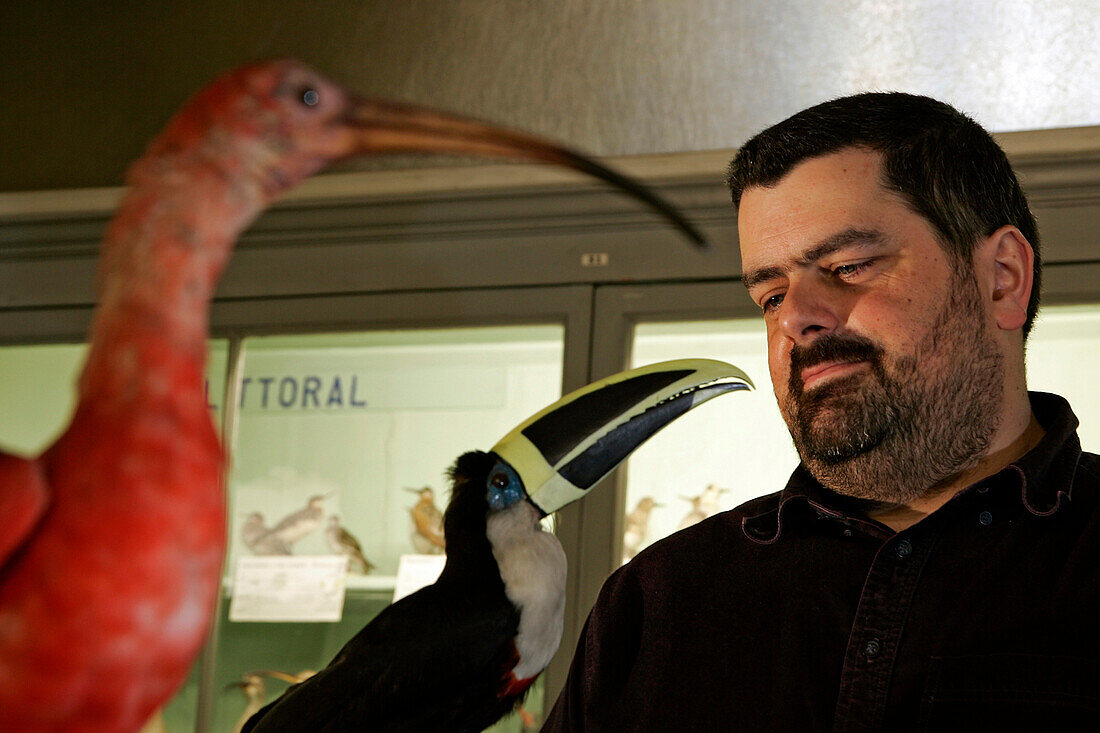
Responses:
[310,97]
[500,480]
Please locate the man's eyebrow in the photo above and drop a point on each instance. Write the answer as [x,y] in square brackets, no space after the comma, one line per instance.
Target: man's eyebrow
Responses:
[764,274]
[824,248]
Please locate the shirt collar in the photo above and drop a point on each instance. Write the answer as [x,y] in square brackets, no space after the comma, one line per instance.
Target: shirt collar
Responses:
[1044,476]
[804,499]
[1046,472]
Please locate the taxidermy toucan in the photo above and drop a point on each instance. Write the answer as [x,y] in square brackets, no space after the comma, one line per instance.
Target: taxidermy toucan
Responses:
[458,654]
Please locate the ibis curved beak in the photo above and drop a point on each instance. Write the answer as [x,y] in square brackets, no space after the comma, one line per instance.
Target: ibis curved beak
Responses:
[562,451]
[382,126]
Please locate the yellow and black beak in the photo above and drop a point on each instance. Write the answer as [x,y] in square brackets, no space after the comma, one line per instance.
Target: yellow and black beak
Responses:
[562,451]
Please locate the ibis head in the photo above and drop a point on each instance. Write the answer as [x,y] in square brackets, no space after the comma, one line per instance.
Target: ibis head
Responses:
[285,121]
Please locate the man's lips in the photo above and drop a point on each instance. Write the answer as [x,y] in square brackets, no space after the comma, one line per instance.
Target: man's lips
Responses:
[828,370]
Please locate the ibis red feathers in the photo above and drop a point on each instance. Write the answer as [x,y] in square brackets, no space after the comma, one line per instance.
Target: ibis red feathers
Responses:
[112,540]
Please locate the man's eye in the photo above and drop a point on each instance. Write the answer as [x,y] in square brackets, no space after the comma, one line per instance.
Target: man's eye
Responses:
[853,269]
[772,303]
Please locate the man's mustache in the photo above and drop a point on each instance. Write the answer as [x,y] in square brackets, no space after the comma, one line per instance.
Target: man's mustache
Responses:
[830,348]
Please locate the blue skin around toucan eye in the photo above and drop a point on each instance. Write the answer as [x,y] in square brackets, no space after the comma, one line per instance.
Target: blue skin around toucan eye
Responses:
[503,488]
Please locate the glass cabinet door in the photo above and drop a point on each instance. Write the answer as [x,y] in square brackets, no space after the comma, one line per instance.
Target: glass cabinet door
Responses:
[357,431]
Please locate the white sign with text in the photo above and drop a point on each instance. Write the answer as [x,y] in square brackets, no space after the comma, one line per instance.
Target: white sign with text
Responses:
[289,589]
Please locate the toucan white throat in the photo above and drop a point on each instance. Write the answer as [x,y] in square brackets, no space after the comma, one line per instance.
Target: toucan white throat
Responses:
[533,567]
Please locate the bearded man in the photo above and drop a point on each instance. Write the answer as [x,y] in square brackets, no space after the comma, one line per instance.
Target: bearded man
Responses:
[932,563]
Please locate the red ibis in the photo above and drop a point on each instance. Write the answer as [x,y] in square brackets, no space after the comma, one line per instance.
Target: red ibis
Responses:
[112,539]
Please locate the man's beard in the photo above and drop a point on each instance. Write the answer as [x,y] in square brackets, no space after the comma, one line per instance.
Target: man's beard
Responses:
[892,433]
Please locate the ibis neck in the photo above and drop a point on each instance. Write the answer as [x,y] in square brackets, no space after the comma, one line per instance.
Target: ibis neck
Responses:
[162,256]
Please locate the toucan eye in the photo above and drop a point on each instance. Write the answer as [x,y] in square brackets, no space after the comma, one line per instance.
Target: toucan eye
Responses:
[503,487]
[310,97]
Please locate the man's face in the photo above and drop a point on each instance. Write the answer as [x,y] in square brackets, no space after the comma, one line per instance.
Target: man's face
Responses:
[880,352]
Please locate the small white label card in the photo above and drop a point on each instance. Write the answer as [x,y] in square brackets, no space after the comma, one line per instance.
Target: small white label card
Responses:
[287,588]
[416,571]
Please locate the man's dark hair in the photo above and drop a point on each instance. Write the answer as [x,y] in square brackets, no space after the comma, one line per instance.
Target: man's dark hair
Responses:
[944,165]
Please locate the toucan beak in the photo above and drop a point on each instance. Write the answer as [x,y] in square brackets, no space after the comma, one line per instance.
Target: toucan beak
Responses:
[379,126]
[562,451]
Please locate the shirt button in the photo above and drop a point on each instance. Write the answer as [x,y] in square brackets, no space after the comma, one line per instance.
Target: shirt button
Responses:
[904,549]
[986,518]
[847,533]
[872,648]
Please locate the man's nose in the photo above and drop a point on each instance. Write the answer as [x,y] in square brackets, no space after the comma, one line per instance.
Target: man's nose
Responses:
[809,310]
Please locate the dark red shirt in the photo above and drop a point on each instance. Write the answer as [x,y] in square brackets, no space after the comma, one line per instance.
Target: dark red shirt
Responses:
[795,612]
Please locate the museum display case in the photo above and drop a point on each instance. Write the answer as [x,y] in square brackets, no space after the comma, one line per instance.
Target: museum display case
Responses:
[357,431]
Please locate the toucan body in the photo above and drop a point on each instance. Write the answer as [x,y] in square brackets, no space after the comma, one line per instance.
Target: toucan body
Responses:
[459,654]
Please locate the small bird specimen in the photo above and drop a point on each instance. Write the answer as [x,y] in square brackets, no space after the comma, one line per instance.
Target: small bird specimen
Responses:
[459,654]
[427,523]
[112,540]
[296,525]
[637,527]
[254,687]
[702,506]
[258,538]
[342,542]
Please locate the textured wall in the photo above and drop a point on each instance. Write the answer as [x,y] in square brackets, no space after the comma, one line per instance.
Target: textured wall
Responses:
[85,84]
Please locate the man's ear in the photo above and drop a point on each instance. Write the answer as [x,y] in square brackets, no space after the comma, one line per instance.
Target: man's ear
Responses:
[1013,260]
